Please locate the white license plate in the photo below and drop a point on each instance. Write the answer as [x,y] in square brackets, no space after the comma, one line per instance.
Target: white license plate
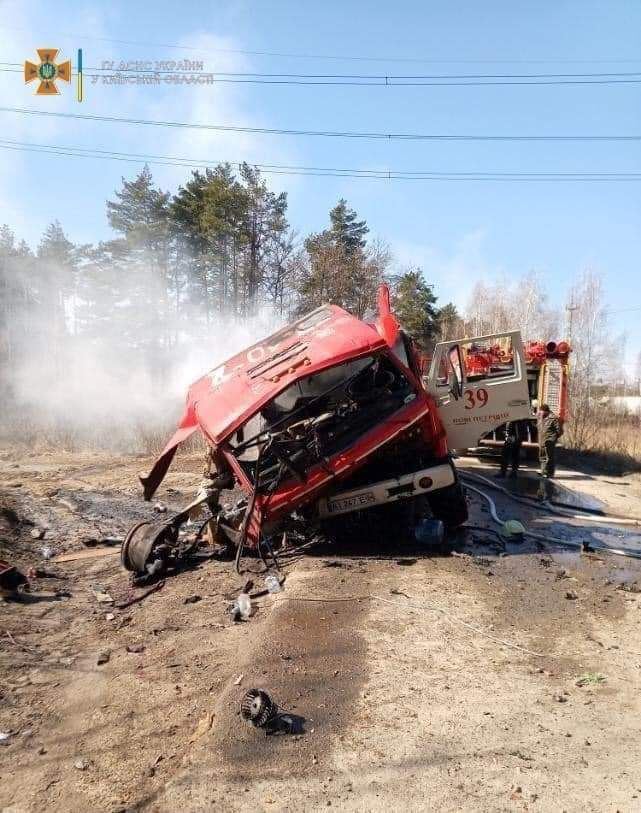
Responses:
[351,503]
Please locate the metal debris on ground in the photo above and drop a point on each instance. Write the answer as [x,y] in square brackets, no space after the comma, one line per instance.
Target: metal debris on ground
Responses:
[12,581]
[70,505]
[258,708]
[241,609]
[430,532]
[192,599]
[108,541]
[630,587]
[272,584]
[101,595]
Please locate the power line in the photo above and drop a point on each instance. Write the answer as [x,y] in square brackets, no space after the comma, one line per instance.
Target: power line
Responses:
[287,169]
[444,76]
[442,80]
[623,310]
[317,133]
[355,76]
[335,57]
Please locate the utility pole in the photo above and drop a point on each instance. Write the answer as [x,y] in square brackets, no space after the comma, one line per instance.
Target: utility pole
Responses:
[570,313]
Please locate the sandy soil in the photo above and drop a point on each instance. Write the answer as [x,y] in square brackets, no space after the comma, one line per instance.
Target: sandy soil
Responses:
[425,682]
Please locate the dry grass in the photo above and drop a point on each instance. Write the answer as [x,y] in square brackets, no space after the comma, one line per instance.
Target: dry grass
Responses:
[20,429]
[609,441]
[605,441]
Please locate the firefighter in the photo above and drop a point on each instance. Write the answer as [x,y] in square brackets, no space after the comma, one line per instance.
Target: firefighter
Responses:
[515,434]
[550,430]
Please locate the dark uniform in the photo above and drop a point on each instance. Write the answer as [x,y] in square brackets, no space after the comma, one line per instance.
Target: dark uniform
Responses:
[550,430]
[515,434]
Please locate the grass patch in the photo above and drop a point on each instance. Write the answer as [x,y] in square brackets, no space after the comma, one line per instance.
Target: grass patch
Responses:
[591,679]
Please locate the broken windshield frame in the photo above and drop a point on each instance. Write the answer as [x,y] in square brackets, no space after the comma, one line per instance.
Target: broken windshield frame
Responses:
[298,437]
[265,433]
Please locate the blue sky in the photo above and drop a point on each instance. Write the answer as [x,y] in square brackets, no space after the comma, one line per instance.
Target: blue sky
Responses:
[458,232]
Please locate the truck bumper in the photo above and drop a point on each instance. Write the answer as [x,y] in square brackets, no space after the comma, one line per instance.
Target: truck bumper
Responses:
[387,491]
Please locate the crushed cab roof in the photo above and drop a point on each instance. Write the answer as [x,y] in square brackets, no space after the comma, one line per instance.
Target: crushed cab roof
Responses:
[225,397]
[233,391]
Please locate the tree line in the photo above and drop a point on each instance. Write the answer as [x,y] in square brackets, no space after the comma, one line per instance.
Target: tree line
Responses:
[114,318]
[219,247]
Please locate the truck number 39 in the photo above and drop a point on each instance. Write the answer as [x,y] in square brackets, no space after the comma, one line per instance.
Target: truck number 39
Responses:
[475,398]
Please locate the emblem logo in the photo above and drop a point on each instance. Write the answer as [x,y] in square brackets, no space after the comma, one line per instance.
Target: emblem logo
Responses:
[47,72]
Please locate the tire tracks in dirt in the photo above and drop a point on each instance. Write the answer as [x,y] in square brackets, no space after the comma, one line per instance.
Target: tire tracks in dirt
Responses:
[312,658]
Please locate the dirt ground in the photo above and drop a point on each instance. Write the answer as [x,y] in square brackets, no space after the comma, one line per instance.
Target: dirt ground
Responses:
[496,678]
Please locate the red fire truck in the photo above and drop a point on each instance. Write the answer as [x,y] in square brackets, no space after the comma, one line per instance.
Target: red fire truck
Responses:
[327,419]
[547,367]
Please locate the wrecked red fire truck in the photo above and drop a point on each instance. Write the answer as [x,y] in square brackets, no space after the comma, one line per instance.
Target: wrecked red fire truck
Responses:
[325,422]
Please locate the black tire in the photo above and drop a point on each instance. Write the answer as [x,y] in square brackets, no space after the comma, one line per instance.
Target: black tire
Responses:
[449,505]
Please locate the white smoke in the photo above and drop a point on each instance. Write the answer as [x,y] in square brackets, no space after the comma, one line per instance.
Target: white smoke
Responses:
[97,388]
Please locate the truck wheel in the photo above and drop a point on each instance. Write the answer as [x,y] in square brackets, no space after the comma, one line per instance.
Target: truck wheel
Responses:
[449,505]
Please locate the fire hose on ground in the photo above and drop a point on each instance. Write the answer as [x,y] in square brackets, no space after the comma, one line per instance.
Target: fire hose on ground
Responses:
[633,554]
[552,507]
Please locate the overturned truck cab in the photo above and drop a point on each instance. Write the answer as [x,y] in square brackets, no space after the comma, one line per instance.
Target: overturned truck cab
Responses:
[328,419]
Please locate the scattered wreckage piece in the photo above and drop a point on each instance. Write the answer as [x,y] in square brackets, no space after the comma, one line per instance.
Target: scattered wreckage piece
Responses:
[324,423]
[150,549]
[12,581]
[91,553]
[258,709]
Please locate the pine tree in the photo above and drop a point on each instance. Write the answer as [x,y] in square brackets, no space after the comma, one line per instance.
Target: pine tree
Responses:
[450,322]
[17,303]
[414,303]
[265,225]
[340,267]
[140,214]
[346,229]
[55,282]
[209,215]
[224,222]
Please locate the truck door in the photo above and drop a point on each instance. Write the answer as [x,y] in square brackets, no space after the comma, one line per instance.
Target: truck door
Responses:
[479,384]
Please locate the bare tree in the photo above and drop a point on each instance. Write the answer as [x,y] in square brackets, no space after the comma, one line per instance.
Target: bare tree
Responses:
[505,305]
[594,351]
